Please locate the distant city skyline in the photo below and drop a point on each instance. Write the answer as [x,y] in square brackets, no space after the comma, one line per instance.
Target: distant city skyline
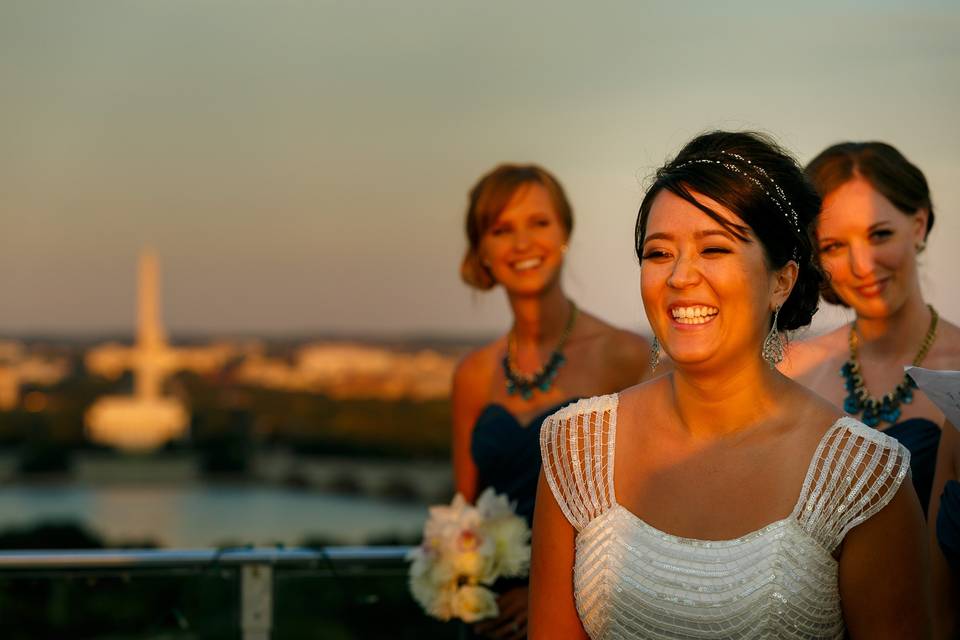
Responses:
[302,168]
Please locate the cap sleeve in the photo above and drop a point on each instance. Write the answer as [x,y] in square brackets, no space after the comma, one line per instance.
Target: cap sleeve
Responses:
[577,445]
[854,474]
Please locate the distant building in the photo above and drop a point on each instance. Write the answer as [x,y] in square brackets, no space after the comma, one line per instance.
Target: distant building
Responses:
[18,367]
[345,370]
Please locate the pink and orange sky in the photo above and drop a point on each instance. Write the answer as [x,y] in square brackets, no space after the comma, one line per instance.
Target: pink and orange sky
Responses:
[303,166]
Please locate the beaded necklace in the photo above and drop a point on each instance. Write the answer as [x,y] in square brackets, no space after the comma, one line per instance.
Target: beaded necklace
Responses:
[541,380]
[887,409]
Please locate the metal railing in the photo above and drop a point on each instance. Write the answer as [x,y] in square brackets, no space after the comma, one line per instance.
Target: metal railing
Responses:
[256,567]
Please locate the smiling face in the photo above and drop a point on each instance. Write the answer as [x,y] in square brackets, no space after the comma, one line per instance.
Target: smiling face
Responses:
[708,295]
[868,247]
[523,248]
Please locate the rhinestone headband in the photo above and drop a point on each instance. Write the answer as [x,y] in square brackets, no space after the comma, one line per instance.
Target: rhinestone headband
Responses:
[780,199]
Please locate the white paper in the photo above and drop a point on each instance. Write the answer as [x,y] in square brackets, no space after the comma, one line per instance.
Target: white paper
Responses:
[943,389]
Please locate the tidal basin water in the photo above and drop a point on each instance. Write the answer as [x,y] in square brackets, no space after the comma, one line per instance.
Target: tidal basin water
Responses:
[194,516]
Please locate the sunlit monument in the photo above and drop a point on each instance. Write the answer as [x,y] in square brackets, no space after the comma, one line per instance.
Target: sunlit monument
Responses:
[147,419]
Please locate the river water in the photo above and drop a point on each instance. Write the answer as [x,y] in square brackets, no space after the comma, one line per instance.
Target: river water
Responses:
[200,516]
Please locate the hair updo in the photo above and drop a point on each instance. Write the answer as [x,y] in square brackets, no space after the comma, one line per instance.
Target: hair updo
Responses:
[884,168]
[749,174]
[489,197]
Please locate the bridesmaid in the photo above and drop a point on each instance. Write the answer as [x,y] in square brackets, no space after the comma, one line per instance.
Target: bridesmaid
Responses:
[875,219]
[877,214]
[518,225]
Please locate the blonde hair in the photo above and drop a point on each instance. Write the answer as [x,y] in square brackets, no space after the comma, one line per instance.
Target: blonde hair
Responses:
[487,200]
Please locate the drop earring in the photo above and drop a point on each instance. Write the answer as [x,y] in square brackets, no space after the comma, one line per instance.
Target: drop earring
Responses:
[654,353]
[772,351]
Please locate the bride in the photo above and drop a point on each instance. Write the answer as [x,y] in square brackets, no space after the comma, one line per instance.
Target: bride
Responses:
[722,499]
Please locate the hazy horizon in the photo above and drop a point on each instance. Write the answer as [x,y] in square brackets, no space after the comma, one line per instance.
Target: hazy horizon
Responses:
[302,168]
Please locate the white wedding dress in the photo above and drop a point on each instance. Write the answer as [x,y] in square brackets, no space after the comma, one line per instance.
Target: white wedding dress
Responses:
[632,580]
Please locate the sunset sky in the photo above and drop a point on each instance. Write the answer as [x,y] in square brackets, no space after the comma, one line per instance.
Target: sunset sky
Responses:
[303,166]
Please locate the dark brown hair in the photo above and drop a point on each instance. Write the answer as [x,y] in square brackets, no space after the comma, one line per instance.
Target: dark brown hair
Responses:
[489,197]
[749,174]
[886,169]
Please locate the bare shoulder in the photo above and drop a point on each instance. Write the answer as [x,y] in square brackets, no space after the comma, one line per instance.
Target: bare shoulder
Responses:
[643,399]
[806,357]
[627,351]
[809,412]
[946,349]
[624,354]
[475,370]
[627,345]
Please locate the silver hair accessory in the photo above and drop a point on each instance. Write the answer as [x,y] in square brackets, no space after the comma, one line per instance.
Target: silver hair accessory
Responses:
[790,212]
[780,200]
[772,351]
[654,354]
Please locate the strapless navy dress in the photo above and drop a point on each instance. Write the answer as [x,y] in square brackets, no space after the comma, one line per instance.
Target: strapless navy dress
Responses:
[948,525]
[921,437]
[507,454]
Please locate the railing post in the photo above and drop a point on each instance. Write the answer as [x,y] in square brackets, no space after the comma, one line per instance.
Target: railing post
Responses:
[256,601]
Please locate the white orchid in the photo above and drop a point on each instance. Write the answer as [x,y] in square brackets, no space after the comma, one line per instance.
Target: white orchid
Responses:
[474,556]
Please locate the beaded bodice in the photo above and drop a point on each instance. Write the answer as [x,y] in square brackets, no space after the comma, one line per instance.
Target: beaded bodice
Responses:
[632,580]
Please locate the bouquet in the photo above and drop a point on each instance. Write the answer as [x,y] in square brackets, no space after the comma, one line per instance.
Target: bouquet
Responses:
[465,549]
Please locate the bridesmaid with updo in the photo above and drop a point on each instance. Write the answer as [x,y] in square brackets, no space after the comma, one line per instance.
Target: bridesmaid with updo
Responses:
[876,217]
[518,226]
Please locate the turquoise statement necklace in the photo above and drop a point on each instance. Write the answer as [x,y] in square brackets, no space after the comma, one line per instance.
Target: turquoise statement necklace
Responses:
[542,380]
[887,409]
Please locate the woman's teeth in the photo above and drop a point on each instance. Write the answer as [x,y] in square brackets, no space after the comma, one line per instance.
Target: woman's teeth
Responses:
[693,315]
[530,263]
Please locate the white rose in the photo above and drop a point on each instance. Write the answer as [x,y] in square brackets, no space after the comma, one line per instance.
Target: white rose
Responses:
[443,605]
[432,581]
[430,564]
[492,506]
[511,539]
[423,589]
[472,604]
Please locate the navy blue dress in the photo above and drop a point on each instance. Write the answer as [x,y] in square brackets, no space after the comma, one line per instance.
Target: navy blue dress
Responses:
[507,454]
[921,437]
[948,525]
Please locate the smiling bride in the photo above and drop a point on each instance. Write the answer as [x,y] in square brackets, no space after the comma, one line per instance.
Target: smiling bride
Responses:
[724,500]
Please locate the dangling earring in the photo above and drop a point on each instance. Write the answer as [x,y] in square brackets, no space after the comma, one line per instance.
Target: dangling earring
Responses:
[654,354]
[921,246]
[772,350]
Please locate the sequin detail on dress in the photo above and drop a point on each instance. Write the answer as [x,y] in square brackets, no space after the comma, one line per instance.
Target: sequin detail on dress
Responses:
[632,580]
